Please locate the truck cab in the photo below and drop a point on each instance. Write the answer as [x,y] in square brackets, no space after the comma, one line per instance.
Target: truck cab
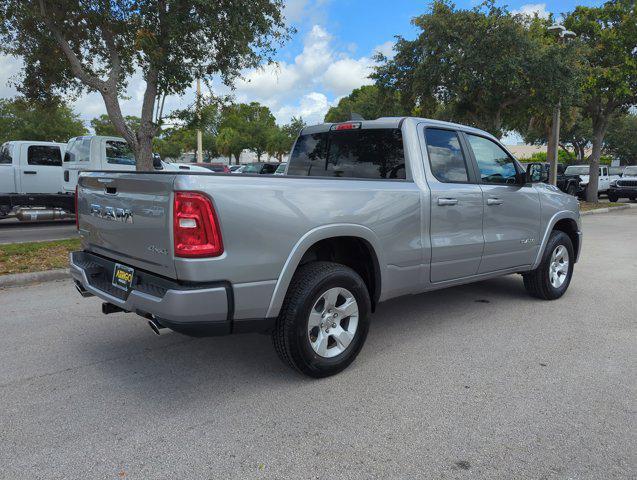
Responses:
[31,167]
[104,153]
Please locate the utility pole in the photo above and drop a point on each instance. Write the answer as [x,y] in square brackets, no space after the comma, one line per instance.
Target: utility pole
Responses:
[199,135]
[554,140]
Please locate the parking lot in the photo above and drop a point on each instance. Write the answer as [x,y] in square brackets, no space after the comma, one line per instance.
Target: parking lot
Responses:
[480,381]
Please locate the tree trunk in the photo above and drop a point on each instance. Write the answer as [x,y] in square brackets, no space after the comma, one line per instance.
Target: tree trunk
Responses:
[599,130]
[550,146]
[144,152]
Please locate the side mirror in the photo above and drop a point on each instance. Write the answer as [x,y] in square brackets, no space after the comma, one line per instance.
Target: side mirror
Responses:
[536,173]
[157,165]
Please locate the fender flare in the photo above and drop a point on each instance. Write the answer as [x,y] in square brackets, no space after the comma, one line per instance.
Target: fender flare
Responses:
[313,236]
[562,215]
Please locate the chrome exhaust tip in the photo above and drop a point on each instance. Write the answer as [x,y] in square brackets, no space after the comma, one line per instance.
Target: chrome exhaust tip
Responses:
[81,290]
[157,327]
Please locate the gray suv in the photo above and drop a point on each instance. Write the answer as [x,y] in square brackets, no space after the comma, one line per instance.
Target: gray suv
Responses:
[367,211]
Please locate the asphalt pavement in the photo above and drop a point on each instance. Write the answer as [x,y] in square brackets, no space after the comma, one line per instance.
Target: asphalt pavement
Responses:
[14,231]
[480,381]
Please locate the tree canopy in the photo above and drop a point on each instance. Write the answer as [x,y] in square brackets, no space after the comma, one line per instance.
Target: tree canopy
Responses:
[21,119]
[480,67]
[370,102]
[103,125]
[608,36]
[72,45]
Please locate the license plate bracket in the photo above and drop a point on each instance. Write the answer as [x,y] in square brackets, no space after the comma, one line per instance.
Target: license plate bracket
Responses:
[123,277]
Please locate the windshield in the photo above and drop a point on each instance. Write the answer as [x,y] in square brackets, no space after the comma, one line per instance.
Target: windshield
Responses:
[574,170]
[254,168]
[632,171]
[281,168]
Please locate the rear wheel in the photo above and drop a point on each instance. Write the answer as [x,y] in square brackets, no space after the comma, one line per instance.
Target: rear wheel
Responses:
[552,277]
[324,320]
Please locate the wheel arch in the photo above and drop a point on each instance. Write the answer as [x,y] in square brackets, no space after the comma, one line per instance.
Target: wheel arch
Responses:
[332,240]
[566,222]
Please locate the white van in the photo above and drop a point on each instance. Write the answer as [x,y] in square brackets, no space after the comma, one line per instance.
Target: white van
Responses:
[98,152]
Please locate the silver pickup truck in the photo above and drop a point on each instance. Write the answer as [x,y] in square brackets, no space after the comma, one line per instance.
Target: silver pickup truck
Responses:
[367,211]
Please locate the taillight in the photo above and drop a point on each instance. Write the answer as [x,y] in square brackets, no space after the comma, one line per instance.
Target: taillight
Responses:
[195,225]
[77,215]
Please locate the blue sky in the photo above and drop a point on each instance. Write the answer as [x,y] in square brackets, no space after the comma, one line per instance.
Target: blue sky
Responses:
[331,54]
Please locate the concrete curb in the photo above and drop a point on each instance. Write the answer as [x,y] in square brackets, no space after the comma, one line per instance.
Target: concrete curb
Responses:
[20,279]
[608,209]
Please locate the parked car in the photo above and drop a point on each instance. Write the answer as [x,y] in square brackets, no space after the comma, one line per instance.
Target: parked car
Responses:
[31,179]
[583,171]
[236,168]
[260,168]
[624,187]
[214,167]
[368,211]
[98,152]
[567,183]
[280,170]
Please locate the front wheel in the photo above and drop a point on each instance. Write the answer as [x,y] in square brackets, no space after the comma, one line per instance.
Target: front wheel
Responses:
[552,277]
[612,198]
[324,320]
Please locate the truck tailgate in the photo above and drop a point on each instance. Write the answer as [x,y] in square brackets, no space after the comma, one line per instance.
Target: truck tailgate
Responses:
[128,217]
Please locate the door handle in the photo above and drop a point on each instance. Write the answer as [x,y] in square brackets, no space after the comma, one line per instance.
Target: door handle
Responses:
[494,201]
[30,172]
[447,201]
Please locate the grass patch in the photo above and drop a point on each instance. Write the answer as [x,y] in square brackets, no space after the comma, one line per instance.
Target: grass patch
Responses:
[586,206]
[37,256]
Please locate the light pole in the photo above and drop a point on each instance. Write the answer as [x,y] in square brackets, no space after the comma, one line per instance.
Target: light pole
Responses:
[562,35]
[199,136]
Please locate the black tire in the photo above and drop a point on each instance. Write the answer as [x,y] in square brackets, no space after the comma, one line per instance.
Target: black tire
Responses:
[537,282]
[290,335]
[632,199]
[612,198]
[571,189]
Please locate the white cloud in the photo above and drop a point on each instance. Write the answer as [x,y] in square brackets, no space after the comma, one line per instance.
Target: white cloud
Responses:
[304,86]
[312,107]
[531,9]
[347,74]
[386,49]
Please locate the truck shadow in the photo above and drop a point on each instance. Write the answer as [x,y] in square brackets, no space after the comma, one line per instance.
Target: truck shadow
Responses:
[173,369]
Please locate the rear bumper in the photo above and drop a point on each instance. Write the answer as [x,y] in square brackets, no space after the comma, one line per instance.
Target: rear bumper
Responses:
[191,308]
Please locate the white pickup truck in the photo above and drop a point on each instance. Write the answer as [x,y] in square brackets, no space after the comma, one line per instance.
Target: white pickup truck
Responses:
[31,176]
[103,153]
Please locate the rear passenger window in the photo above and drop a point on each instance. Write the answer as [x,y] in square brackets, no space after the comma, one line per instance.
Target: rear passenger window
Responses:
[78,150]
[445,156]
[44,155]
[119,153]
[309,155]
[366,153]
